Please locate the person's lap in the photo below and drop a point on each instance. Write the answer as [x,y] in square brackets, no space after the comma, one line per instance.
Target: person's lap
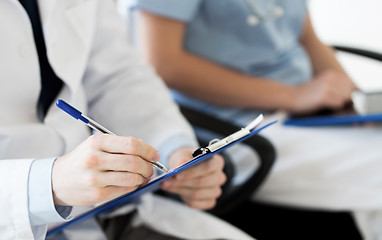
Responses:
[325,167]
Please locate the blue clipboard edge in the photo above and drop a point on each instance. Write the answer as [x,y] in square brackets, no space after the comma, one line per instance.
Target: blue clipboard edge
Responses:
[332,120]
[151,186]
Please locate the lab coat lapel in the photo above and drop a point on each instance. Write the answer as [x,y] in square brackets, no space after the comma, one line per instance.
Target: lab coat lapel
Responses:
[68,36]
[68,28]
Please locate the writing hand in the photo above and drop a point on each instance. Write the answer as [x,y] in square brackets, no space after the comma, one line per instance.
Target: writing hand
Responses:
[102,167]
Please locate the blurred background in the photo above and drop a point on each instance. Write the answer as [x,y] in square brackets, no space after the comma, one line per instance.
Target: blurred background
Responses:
[352,23]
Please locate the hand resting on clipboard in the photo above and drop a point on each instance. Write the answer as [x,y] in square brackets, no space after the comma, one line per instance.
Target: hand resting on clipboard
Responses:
[365,108]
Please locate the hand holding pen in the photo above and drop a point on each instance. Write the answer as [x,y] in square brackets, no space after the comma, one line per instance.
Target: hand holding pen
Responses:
[94,125]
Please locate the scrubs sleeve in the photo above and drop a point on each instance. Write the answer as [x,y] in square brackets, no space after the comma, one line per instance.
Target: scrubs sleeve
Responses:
[182,10]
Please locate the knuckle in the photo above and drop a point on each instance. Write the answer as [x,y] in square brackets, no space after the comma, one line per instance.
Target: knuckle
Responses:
[91,161]
[132,144]
[133,180]
[92,180]
[94,140]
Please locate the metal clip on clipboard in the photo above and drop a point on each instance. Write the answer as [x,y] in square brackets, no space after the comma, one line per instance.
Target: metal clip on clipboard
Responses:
[216,144]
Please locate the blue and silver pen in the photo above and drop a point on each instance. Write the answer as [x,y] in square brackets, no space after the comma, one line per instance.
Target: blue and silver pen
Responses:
[93,124]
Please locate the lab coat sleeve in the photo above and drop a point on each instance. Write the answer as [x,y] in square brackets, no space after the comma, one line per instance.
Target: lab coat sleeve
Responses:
[17,178]
[14,222]
[42,210]
[127,96]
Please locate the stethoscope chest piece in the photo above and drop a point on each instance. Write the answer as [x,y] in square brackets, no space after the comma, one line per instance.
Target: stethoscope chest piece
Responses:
[257,16]
[252,20]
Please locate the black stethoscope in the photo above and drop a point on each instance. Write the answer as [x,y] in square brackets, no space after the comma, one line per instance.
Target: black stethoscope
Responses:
[270,10]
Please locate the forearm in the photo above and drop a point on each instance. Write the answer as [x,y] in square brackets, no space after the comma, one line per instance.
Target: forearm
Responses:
[162,45]
[322,56]
[216,84]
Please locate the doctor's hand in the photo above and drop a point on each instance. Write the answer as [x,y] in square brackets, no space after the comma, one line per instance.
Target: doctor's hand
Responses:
[330,89]
[199,186]
[100,168]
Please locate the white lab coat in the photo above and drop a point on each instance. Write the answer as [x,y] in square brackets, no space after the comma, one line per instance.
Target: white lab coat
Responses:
[87,49]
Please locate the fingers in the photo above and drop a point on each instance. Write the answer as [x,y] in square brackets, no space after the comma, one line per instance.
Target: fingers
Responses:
[336,89]
[204,204]
[120,154]
[210,180]
[200,186]
[201,196]
[100,168]
[122,162]
[215,164]
[124,145]
[202,199]
[343,90]
[337,98]
[119,179]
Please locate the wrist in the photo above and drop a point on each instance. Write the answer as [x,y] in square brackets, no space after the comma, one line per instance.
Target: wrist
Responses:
[289,99]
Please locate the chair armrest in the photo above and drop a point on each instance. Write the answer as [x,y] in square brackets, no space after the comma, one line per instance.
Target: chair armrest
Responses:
[359,51]
[231,199]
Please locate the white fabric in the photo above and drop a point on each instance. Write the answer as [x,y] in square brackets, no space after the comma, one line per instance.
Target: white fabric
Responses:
[331,168]
[41,205]
[370,222]
[102,76]
[186,223]
[245,161]
[164,216]
[88,50]
[86,229]
[14,220]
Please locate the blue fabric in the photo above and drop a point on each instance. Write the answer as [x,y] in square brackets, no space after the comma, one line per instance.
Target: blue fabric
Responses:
[182,10]
[219,32]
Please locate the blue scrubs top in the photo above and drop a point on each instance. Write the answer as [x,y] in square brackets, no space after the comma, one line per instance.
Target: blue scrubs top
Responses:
[219,31]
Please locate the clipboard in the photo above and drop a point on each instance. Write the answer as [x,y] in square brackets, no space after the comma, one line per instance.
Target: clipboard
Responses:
[345,116]
[333,120]
[201,154]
